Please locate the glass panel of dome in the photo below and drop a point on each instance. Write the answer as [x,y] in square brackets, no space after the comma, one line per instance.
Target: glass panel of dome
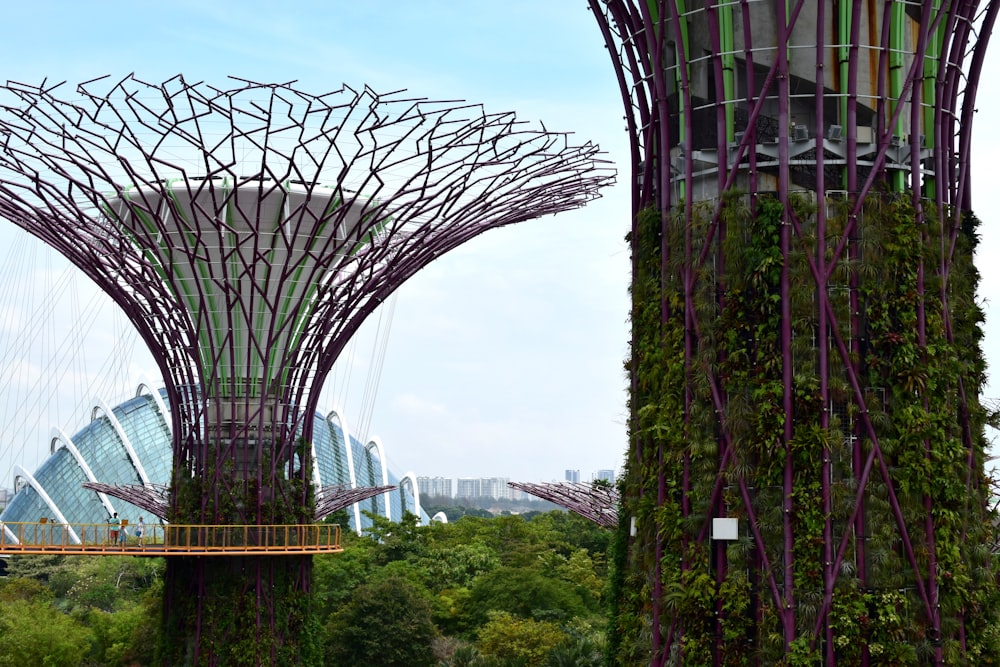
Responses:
[149,437]
[324,444]
[101,448]
[339,450]
[62,478]
[27,505]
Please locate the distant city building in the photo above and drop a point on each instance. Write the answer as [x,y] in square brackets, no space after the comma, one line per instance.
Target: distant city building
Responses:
[605,475]
[485,487]
[495,487]
[573,476]
[435,486]
[469,487]
[518,495]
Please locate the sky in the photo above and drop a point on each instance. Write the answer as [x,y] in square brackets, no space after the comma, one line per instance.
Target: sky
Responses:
[502,358]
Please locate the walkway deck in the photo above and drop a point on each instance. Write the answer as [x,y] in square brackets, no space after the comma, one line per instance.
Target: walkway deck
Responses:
[168,540]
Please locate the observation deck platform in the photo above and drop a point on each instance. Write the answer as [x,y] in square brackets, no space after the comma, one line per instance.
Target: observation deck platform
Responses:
[47,537]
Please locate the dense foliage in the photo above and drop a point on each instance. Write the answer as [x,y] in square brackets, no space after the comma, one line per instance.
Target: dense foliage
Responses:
[63,611]
[817,378]
[242,610]
[479,592]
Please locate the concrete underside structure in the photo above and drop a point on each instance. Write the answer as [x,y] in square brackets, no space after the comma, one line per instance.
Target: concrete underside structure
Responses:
[805,357]
[247,233]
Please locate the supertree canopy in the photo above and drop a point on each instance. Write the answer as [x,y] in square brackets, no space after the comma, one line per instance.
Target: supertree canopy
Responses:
[595,502]
[247,232]
[805,479]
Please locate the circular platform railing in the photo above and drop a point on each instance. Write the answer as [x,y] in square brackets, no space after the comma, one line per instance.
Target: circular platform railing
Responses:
[48,536]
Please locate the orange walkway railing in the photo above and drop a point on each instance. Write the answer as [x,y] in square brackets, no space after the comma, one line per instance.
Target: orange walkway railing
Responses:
[168,540]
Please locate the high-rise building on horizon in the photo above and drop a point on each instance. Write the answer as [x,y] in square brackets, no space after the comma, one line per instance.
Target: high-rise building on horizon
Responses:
[605,476]
[495,487]
[572,475]
[468,487]
[435,486]
[805,477]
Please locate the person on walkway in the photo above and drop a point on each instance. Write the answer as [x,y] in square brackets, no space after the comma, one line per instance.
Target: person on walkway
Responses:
[114,527]
[140,530]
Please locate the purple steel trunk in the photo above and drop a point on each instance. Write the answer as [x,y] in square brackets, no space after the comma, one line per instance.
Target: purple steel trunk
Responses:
[805,336]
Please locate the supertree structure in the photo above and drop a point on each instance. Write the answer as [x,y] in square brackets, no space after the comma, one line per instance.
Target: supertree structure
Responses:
[247,232]
[595,502]
[805,475]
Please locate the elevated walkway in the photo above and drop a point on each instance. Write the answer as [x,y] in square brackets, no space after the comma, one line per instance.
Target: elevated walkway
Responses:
[48,537]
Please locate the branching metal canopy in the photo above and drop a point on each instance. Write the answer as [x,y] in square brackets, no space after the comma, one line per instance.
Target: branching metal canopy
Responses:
[591,501]
[154,498]
[338,496]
